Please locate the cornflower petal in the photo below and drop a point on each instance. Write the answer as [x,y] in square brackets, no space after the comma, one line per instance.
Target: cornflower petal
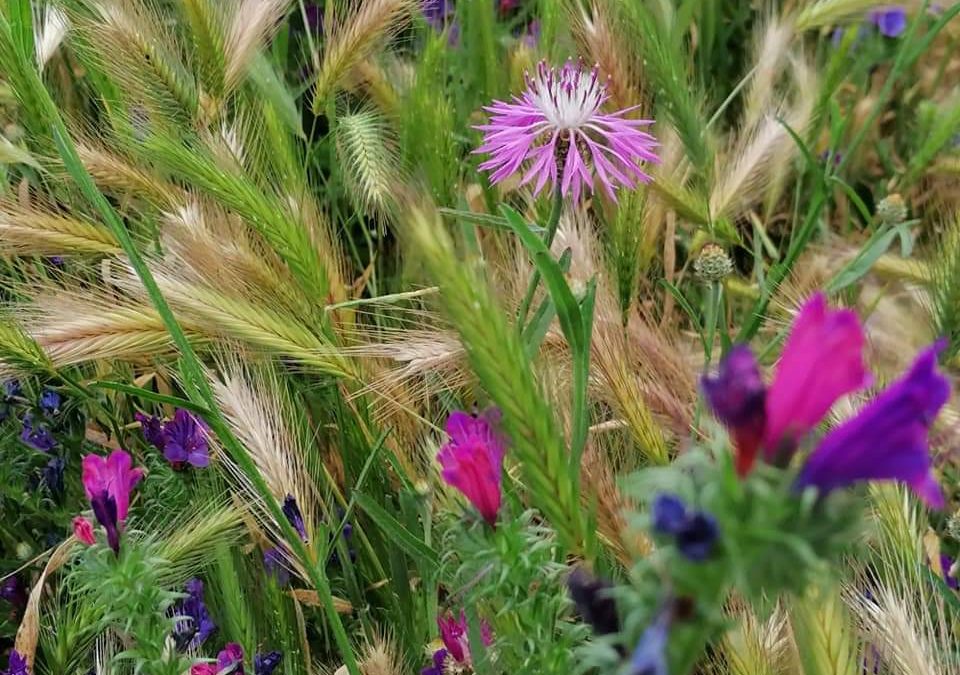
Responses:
[565,103]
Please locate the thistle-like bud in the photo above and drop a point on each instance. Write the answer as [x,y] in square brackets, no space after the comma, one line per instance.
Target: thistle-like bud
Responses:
[24,551]
[892,210]
[713,264]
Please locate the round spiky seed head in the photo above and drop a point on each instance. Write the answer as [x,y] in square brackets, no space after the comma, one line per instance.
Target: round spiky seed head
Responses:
[713,264]
[892,210]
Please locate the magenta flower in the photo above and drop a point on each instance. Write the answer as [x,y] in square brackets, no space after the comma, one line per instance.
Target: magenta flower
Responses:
[888,438]
[453,633]
[473,460]
[108,483]
[230,657]
[822,360]
[83,530]
[557,130]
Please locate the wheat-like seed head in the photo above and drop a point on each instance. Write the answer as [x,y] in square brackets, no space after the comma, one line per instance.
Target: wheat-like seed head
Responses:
[898,631]
[754,646]
[76,325]
[356,38]
[251,24]
[32,231]
[819,13]
[772,40]
[115,174]
[368,155]
[50,29]
[256,407]
[379,656]
[598,39]
[824,633]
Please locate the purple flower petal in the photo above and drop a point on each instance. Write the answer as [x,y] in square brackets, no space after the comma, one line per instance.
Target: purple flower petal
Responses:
[891,21]
[556,126]
[888,438]
[737,396]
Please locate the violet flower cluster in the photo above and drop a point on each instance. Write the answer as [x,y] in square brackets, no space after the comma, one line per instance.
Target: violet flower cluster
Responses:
[695,533]
[822,360]
[230,662]
[194,623]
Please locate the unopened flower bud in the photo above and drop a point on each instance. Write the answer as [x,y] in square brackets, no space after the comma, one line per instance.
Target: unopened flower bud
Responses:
[24,551]
[892,210]
[713,264]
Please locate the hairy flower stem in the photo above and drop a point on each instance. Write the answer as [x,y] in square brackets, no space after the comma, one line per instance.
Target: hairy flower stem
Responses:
[197,386]
[553,222]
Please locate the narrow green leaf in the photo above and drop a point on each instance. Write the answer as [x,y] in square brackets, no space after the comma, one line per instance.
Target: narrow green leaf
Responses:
[151,396]
[397,533]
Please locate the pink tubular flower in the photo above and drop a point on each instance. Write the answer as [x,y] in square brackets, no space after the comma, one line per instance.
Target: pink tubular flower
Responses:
[83,530]
[108,483]
[203,669]
[454,634]
[822,360]
[473,460]
[557,130]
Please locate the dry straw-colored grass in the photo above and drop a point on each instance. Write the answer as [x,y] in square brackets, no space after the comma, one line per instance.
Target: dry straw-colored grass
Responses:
[32,231]
[355,38]
[258,412]
[596,34]
[29,631]
[77,325]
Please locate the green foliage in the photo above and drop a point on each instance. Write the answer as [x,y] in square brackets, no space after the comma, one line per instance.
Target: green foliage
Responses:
[514,578]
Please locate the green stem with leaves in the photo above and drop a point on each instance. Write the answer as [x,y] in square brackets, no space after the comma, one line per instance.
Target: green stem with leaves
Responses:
[553,222]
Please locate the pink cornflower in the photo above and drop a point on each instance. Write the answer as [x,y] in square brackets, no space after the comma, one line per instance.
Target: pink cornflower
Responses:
[83,530]
[473,460]
[557,130]
[108,483]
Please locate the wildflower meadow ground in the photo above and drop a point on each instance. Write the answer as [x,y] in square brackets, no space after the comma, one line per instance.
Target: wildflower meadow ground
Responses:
[494,337]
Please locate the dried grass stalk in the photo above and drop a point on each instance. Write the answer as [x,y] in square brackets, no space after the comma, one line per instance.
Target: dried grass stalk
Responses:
[29,631]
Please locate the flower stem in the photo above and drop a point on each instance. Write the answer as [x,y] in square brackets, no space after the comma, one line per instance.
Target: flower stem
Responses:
[553,221]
